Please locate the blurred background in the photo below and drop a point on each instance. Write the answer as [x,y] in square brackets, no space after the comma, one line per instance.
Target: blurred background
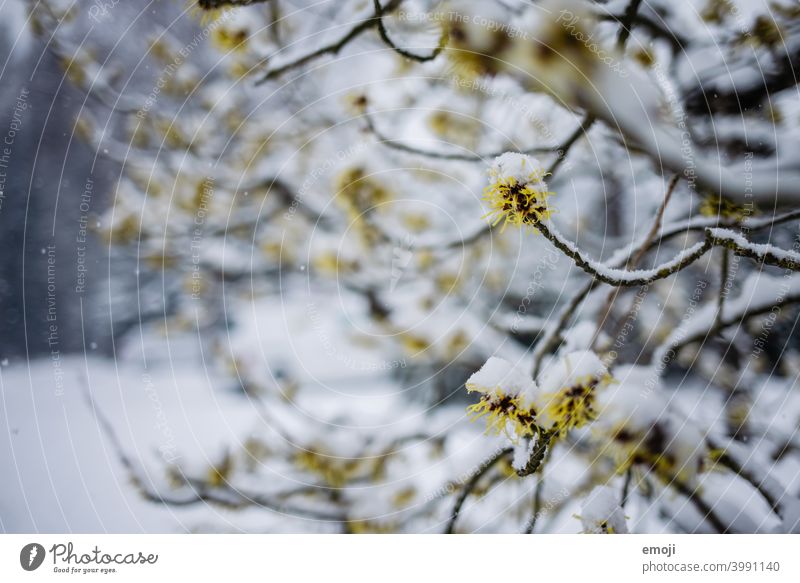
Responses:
[248,272]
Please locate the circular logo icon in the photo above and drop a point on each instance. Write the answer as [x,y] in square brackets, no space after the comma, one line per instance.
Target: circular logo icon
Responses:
[31,556]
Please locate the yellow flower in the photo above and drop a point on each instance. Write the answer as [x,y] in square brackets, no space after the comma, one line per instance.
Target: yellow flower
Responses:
[506,402]
[570,389]
[714,205]
[504,411]
[573,406]
[517,193]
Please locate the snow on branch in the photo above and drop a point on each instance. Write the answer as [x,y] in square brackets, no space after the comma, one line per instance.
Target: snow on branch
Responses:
[623,277]
[763,253]
[760,294]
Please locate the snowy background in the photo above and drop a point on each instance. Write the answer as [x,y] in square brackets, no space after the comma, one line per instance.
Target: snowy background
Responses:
[264,271]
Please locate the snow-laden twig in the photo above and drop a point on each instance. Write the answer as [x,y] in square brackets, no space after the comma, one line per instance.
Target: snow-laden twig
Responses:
[763,253]
[624,277]
[536,455]
[623,256]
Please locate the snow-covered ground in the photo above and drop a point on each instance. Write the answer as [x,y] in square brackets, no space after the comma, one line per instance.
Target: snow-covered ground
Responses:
[60,472]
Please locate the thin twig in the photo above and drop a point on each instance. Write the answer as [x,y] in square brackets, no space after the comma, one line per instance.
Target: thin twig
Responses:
[713,238]
[764,254]
[626,486]
[537,506]
[537,455]
[623,277]
[626,23]
[332,48]
[402,147]
[225,495]
[723,285]
[564,148]
[701,505]
[384,34]
[668,351]
[759,480]
[633,261]
[470,486]
[550,338]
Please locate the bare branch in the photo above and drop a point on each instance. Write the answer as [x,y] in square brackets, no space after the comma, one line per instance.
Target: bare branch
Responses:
[402,147]
[384,34]
[330,49]
[197,490]
[701,505]
[477,474]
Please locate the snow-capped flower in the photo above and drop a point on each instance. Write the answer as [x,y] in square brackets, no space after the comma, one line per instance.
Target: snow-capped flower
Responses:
[507,399]
[517,193]
[569,390]
[602,514]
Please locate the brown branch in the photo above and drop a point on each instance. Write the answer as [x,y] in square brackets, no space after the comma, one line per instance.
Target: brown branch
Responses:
[536,457]
[384,34]
[633,261]
[730,463]
[767,255]
[477,474]
[550,339]
[400,146]
[564,148]
[330,49]
[225,495]
[215,4]
[701,505]
[622,277]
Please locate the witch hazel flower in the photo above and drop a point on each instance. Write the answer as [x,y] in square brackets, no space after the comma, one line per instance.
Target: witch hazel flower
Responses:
[601,513]
[517,193]
[569,389]
[507,399]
